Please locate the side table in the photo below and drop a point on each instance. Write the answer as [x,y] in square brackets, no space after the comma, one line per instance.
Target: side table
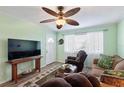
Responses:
[112,80]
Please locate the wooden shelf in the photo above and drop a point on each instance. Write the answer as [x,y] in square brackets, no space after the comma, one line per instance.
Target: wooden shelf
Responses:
[15,62]
[22,60]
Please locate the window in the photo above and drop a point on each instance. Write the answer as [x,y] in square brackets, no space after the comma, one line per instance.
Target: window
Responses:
[91,42]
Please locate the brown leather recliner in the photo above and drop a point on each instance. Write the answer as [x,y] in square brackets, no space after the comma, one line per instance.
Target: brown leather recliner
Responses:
[77,61]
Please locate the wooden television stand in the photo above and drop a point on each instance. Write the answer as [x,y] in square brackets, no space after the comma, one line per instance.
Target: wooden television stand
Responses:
[15,62]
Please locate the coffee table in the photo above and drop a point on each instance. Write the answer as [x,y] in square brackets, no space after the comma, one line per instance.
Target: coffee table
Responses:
[105,85]
[65,69]
[112,80]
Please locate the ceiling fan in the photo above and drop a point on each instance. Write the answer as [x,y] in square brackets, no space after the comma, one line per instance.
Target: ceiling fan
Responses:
[61,17]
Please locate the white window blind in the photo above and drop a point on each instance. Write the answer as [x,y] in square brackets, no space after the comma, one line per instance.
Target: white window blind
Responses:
[91,42]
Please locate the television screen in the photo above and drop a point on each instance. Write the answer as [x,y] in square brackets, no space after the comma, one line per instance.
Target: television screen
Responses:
[23,48]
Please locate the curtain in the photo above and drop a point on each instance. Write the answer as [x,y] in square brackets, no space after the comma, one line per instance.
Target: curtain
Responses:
[91,42]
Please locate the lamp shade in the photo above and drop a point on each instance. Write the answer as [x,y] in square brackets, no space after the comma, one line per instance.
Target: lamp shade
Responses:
[60,22]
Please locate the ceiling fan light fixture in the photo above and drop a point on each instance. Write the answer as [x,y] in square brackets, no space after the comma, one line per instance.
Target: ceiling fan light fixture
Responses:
[61,17]
[60,22]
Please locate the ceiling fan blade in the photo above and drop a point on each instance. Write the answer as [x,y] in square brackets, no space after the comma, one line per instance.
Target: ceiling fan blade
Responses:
[71,12]
[49,11]
[72,22]
[59,26]
[48,20]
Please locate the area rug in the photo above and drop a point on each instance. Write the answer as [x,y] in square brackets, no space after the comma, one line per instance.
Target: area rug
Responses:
[37,79]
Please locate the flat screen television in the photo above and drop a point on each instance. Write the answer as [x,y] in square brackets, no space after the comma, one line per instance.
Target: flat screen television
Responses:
[23,48]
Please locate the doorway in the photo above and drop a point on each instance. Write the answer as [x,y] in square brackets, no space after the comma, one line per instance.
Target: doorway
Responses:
[50,48]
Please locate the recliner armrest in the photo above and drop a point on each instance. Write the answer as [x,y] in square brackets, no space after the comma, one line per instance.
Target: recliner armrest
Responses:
[70,61]
[70,57]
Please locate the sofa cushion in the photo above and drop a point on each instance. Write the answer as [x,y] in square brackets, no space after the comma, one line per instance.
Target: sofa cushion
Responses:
[56,82]
[95,66]
[78,80]
[93,80]
[120,66]
[105,61]
[97,72]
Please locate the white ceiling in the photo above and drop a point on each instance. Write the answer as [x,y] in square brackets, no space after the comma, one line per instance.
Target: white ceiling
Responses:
[87,16]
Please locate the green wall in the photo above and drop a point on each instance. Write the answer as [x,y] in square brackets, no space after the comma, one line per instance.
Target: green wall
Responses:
[11,27]
[60,48]
[110,38]
[120,39]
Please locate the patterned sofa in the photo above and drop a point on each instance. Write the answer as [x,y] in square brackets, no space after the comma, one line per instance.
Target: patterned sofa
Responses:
[117,64]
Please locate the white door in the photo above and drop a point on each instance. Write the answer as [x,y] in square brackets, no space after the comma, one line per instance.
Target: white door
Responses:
[50,48]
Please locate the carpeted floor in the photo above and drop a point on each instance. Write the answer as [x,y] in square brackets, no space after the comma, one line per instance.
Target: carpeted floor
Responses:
[36,79]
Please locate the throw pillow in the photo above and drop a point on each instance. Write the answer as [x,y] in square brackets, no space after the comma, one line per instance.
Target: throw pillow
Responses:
[116,59]
[105,61]
[120,66]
